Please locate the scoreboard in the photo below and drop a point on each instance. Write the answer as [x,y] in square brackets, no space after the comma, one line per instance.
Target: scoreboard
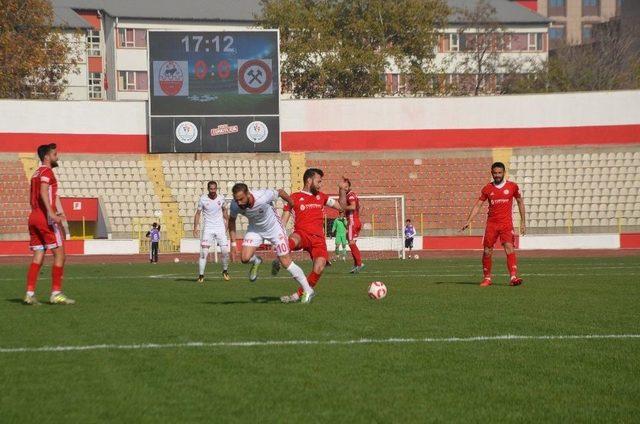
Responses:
[214,91]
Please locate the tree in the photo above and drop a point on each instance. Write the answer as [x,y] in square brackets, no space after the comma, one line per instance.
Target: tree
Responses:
[482,39]
[341,48]
[35,57]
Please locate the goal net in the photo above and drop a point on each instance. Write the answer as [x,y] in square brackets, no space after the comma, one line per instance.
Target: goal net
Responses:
[382,218]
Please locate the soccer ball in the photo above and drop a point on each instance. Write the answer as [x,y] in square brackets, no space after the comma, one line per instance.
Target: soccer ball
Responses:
[416,256]
[377,290]
[176,260]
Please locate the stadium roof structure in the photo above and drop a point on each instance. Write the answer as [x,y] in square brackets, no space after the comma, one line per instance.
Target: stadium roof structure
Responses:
[245,10]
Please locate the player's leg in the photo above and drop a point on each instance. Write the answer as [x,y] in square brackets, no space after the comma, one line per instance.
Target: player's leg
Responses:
[298,274]
[223,243]
[319,255]
[295,243]
[57,270]
[250,244]
[150,252]
[508,239]
[155,247]
[352,237]
[36,244]
[205,245]
[490,237]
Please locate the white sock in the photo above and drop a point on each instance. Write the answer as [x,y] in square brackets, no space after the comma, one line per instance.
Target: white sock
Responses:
[255,259]
[55,293]
[202,261]
[30,293]
[298,274]
[225,261]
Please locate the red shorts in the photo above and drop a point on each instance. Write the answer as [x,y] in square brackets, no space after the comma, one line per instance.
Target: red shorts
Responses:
[314,244]
[42,234]
[495,231]
[353,232]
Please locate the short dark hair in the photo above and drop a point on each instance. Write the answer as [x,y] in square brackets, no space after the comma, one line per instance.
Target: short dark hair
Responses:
[210,183]
[348,181]
[498,165]
[44,149]
[408,220]
[310,173]
[154,225]
[238,187]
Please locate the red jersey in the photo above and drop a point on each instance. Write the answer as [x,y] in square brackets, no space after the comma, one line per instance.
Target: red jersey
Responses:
[500,201]
[308,212]
[353,216]
[44,174]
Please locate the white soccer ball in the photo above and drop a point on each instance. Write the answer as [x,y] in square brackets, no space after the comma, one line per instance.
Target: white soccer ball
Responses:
[377,290]
[416,256]
[176,260]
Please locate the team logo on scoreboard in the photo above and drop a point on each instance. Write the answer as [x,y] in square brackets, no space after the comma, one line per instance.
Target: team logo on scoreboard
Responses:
[255,76]
[186,132]
[257,132]
[171,78]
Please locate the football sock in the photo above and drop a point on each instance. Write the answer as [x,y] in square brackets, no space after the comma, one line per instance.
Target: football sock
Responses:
[225,261]
[512,264]
[202,261]
[298,274]
[56,278]
[486,266]
[313,279]
[32,277]
[254,259]
[355,252]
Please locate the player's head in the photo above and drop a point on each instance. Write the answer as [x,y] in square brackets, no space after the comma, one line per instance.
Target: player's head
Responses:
[497,172]
[154,225]
[408,222]
[212,188]
[48,154]
[241,195]
[312,180]
[348,182]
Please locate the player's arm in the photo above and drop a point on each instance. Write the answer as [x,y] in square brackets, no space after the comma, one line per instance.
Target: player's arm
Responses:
[474,212]
[521,209]
[285,196]
[196,223]
[232,229]
[44,195]
[286,215]
[343,186]
[225,216]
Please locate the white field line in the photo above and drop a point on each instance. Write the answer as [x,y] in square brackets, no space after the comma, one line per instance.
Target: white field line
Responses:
[275,343]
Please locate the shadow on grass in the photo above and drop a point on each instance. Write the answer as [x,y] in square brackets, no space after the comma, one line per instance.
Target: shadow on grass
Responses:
[260,299]
[472,283]
[14,300]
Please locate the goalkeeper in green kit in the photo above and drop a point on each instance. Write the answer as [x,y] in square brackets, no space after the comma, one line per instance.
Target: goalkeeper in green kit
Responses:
[339,231]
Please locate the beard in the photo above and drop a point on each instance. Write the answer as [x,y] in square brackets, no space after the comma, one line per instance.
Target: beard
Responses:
[54,164]
[314,190]
[498,180]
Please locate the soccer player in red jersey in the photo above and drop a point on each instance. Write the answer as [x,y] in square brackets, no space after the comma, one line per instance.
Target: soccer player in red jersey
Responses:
[308,231]
[351,204]
[45,227]
[500,194]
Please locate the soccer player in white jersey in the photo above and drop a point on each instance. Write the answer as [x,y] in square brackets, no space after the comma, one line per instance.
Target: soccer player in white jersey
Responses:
[215,216]
[264,224]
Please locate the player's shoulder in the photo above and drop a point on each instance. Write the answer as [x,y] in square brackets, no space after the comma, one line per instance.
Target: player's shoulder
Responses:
[488,186]
[512,183]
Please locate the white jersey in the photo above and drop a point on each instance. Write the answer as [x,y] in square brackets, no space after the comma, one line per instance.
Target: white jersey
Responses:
[262,215]
[212,216]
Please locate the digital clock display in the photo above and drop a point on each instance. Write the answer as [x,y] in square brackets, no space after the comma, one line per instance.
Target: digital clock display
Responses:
[229,77]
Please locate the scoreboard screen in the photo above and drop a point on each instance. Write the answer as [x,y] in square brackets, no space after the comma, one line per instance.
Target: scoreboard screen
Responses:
[214,91]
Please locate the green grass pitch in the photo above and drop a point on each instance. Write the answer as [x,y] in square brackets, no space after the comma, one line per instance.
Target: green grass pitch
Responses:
[437,380]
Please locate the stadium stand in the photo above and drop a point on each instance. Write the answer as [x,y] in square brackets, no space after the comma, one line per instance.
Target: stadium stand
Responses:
[14,199]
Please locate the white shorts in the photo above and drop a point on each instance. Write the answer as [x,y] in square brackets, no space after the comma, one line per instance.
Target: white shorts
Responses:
[210,237]
[277,236]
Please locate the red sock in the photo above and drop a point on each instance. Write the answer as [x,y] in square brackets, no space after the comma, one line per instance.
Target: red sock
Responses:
[292,244]
[56,278]
[313,279]
[486,266]
[32,276]
[512,264]
[355,252]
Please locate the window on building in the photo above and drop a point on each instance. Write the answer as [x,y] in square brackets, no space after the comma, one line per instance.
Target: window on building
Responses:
[557,36]
[590,7]
[93,42]
[535,42]
[132,38]
[557,8]
[587,33]
[95,86]
[454,42]
[132,81]
[519,42]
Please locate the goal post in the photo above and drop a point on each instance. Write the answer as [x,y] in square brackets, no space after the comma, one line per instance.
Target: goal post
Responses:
[382,218]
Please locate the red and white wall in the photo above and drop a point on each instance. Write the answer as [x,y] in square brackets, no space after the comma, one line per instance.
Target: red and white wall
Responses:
[596,118]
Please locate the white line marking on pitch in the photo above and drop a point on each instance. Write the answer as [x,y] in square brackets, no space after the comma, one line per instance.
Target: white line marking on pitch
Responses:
[269,343]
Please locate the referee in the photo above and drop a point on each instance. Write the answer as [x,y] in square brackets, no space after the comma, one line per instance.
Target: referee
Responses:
[154,236]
